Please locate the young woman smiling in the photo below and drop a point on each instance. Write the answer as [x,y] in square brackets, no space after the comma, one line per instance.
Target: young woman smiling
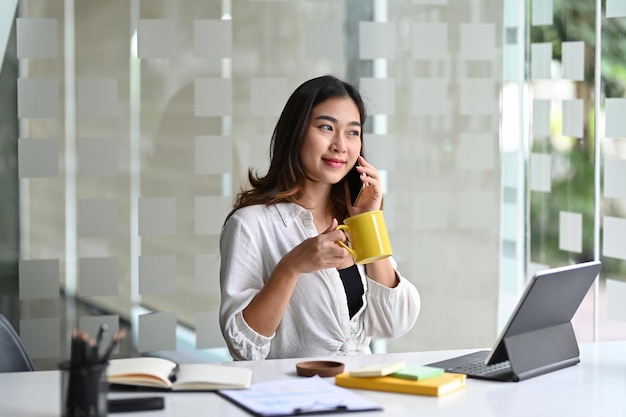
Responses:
[287,288]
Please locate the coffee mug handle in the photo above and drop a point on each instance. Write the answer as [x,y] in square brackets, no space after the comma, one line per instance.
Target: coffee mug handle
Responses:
[340,243]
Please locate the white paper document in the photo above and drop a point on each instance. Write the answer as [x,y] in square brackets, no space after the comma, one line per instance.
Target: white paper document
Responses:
[289,397]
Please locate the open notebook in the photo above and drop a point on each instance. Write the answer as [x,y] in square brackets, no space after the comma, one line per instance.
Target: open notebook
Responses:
[160,373]
[538,337]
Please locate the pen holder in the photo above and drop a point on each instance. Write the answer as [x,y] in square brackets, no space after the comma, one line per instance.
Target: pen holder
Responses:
[84,390]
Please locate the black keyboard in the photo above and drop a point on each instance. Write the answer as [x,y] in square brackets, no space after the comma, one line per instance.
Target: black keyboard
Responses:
[473,365]
[479,368]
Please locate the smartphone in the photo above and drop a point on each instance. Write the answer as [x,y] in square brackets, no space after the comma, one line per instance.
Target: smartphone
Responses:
[125,405]
[355,185]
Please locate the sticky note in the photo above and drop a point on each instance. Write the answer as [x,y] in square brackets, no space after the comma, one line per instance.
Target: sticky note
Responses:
[417,372]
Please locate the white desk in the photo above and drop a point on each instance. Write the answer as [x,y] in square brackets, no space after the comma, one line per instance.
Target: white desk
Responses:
[595,387]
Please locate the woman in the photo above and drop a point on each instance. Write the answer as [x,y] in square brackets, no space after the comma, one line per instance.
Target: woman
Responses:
[288,289]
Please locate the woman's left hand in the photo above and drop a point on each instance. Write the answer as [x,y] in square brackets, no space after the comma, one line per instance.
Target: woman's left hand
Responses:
[371,196]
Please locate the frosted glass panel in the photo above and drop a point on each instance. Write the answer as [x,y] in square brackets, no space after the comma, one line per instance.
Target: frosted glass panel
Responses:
[98,276]
[478,41]
[38,157]
[157,331]
[570,231]
[615,120]
[37,98]
[573,118]
[540,60]
[377,40]
[39,278]
[36,38]
[155,38]
[97,218]
[613,242]
[212,38]
[573,60]
[541,118]
[614,174]
[542,13]
[615,8]
[540,172]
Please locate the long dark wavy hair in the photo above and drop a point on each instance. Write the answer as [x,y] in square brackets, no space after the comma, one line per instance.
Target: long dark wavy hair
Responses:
[284,181]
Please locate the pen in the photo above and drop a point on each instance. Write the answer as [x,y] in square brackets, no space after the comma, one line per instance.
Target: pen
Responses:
[103,328]
[116,340]
[173,373]
[318,409]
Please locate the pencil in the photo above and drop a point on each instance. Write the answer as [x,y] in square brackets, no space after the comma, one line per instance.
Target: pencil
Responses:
[74,348]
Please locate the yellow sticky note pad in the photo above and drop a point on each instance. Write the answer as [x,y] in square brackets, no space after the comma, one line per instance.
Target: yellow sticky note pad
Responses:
[378,369]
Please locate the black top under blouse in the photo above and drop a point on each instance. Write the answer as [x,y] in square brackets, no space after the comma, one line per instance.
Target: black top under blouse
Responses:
[354,288]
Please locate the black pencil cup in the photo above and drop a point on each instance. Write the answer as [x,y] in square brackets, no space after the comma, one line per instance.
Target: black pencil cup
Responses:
[84,390]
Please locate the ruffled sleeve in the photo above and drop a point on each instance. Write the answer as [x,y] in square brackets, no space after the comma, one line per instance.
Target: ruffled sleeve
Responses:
[391,312]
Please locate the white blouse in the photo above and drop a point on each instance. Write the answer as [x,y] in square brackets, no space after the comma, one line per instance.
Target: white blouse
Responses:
[316,321]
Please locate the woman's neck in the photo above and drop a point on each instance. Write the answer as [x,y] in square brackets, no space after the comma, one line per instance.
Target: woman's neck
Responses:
[317,201]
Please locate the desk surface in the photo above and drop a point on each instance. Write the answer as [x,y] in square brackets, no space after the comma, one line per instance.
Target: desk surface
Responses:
[595,387]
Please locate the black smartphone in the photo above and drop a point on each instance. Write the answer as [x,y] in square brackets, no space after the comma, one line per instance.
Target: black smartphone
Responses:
[355,185]
[125,405]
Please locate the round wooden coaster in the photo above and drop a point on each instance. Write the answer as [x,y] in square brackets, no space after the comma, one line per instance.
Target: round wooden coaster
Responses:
[321,368]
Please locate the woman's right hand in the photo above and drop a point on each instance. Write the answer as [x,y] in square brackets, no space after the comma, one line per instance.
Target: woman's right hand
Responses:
[266,309]
[319,252]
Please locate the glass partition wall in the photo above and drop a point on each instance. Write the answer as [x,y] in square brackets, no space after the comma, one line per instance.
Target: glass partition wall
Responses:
[138,119]
[576,83]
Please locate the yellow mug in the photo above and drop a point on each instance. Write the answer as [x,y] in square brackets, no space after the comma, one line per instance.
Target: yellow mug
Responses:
[367,233]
